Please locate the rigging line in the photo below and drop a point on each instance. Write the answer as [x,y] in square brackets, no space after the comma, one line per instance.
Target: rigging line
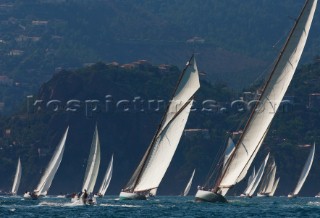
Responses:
[267,83]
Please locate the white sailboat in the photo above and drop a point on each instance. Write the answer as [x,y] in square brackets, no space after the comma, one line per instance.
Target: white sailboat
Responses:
[274,188]
[159,154]
[17,178]
[250,179]
[304,173]
[91,174]
[187,189]
[268,180]
[256,180]
[50,172]
[265,109]
[106,180]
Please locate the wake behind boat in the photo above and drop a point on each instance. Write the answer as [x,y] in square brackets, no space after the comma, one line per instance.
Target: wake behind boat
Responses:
[264,110]
[160,152]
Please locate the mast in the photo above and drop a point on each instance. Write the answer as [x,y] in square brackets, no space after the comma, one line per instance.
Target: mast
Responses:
[269,101]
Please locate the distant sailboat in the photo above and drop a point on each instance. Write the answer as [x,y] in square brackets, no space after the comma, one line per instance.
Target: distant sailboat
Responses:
[159,154]
[50,171]
[268,180]
[91,174]
[256,180]
[106,180]
[304,173]
[187,189]
[264,111]
[17,179]
[274,188]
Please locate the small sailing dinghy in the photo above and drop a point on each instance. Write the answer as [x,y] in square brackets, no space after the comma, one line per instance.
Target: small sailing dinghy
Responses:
[304,173]
[90,178]
[160,152]
[17,178]
[50,172]
[187,189]
[264,110]
[106,180]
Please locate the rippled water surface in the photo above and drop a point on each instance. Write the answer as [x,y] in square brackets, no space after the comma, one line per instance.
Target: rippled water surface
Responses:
[161,206]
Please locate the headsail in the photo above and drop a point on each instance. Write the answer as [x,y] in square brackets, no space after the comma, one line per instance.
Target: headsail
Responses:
[229,151]
[17,178]
[52,167]
[268,179]
[305,171]
[269,101]
[160,152]
[187,189]
[107,178]
[93,163]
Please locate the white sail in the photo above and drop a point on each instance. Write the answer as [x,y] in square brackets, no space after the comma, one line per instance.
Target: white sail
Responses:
[17,179]
[250,180]
[268,178]
[269,101]
[271,177]
[229,150]
[93,163]
[255,182]
[274,188]
[305,171]
[107,178]
[52,167]
[251,177]
[159,154]
[187,189]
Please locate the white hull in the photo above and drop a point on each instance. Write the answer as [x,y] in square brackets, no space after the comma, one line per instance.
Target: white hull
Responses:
[131,196]
[208,196]
[262,195]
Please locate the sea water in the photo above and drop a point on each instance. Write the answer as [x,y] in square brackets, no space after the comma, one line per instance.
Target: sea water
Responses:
[161,206]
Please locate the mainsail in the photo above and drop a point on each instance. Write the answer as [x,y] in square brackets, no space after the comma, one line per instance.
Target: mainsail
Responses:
[106,179]
[17,178]
[305,171]
[93,163]
[269,101]
[160,152]
[187,189]
[52,167]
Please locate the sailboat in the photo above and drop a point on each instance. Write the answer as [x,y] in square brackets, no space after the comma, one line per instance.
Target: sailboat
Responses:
[264,110]
[250,179]
[187,189]
[91,174]
[50,172]
[304,173]
[159,154]
[274,188]
[106,180]
[268,180]
[256,179]
[17,178]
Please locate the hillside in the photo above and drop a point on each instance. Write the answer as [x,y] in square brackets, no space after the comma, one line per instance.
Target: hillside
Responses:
[120,99]
[237,41]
